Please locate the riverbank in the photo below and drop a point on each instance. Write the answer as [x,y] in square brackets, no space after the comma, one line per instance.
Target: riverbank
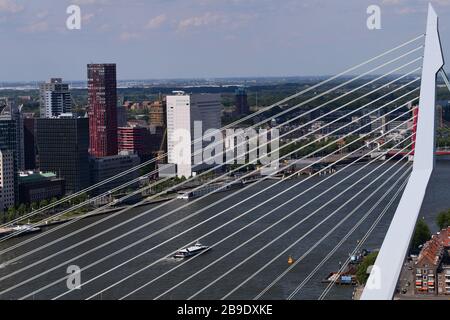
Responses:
[104,212]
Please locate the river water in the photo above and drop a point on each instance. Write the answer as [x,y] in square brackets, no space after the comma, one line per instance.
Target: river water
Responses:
[40,278]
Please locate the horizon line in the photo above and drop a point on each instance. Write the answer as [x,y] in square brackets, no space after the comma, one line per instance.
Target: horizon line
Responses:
[194,78]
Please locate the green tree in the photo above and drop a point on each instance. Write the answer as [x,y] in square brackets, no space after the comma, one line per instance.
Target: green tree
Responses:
[421,235]
[443,219]
[22,209]
[361,272]
[34,206]
[11,213]
[353,142]
[43,203]
[79,199]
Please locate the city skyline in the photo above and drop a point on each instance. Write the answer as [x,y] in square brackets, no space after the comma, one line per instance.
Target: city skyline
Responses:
[211,184]
[224,38]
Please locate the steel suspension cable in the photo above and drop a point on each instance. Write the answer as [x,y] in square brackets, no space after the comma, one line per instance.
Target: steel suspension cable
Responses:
[177,222]
[224,186]
[254,126]
[287,231]
[223,128]
[254,221]
[128,246]
[296,242]
[268,213]
[342,241]
[362,241]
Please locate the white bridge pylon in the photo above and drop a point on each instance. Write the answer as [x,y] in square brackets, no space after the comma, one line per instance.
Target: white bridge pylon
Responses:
[385,273]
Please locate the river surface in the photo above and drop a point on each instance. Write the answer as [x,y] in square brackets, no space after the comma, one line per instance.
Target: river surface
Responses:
[40,274]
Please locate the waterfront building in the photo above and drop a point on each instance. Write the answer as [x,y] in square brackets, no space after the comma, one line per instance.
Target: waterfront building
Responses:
[136,139]
[38,186]
[336,128]
[107,167]
[29,137]
[121,116]
[241,102]
[17,117]
[62,147]
[400,125]
[443,278]
[7,135]
[182,111]
[364,122]
[11,136]
[158,125]
[13,115]
[207,108]
[138,123]
[445,114]
[7,180]
[439,116]
[378,123]
[432,268]
[157,113]
[136,106]
[102,104]
[55,98]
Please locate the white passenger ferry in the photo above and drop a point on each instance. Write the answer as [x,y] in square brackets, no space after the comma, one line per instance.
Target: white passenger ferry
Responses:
[191,251]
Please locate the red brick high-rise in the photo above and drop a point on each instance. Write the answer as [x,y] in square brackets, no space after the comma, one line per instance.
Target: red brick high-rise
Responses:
[102,100]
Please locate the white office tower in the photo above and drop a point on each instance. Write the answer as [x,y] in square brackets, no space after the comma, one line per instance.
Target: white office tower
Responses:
[7,195]
[55,98]
[182,111]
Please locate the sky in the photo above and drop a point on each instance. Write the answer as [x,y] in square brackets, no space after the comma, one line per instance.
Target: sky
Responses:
[160,39]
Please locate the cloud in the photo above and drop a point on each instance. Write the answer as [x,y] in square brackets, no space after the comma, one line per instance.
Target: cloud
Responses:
[127,36]
[392,2]
[87,17]
[206,19]
[42,14]
[230,37]
[40,26]
[408,10]
[90,2]
[415,2]
[156,22]
[441,2]
[10,6]
[104,28]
